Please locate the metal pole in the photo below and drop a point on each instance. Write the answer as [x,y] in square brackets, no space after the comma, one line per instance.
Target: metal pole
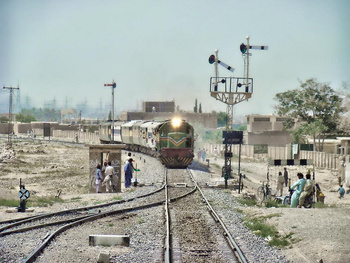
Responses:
[239,170]
[10,117]
[113,112]
[113,85]
[10,113]
[247,69]
[216,69]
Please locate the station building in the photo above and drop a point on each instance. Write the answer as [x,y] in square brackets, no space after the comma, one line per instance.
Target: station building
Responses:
[267,129]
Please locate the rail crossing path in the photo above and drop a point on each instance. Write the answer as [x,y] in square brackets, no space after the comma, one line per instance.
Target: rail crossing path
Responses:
[191,234]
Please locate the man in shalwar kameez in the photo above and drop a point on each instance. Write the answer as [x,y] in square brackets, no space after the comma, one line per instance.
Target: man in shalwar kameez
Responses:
[308,189]
[299,185]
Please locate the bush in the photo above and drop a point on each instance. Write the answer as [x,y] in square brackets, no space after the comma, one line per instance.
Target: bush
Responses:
[9,202]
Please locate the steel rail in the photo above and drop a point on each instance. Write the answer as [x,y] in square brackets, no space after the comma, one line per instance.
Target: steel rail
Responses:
[168,243]
[167,219]
[40,248]
[23,229]
[32,218]
[232,243]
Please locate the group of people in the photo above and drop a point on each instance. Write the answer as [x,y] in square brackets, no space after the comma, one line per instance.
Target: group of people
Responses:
[107,179]
[109,172]
[201,154]
[303,187]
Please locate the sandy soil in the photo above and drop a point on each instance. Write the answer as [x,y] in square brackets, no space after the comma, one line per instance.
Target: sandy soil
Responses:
[46,167]
[321,233]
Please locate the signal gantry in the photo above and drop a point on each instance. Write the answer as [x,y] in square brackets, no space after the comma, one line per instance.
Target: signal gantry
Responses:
[231,91]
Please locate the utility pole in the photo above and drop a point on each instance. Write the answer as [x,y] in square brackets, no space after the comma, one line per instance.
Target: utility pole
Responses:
[113,85]
[10,113]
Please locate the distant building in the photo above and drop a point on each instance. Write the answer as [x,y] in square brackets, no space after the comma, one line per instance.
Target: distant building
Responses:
[208,120]
[267,129]
[163,110]
[158,106]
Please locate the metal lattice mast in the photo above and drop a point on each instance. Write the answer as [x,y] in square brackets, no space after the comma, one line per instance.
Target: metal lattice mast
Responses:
[10,114]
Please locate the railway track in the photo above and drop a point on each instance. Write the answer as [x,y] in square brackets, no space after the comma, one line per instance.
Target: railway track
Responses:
[66,216]
[74,217]
[177,188]
[191,234]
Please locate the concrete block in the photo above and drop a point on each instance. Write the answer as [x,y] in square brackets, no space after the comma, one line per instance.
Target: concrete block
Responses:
[181,185]
[103,257]
[109,240]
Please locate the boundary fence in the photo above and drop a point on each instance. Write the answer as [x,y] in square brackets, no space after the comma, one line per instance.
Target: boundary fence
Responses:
[320,159]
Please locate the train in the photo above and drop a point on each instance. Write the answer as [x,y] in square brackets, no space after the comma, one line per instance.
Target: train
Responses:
[172,141]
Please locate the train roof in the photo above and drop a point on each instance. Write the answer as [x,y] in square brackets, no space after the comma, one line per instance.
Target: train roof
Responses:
[107,123]
[131,123]
[151,124]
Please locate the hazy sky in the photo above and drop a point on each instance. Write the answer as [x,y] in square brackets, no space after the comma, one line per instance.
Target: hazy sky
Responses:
[158,50]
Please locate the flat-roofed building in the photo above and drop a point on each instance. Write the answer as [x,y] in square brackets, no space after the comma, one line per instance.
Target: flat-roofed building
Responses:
[158,106]
[267,129]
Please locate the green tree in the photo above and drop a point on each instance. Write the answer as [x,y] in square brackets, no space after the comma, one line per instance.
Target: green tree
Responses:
[3,119]
[195,109]
[110,115]
[344,92]
[25,118]
[242,127]
[44,114]
[222,119]
[315,104]
[200,108]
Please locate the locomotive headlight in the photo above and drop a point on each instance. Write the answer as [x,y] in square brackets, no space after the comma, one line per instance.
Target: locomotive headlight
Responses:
[176,122]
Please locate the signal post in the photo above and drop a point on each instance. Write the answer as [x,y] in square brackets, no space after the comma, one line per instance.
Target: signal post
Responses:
[231,91]
[113,85]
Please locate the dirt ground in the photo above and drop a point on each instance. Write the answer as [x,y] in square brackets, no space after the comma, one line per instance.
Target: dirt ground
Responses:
[44,168]
[321,233]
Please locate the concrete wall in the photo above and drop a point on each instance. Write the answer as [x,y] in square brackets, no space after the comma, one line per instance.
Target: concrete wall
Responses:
[248,151]
[67,127]
[261,126]
[4,128]
[320,159]
[260,123]
[23,127]
[38,127]
[96,157]
[271,138]
[85,137]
